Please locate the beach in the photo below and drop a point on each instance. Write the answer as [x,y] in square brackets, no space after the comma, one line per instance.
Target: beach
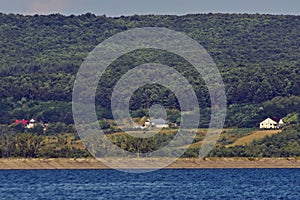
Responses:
[182,163]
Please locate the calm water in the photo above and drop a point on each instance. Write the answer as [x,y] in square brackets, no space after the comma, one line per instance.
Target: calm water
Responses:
[162,184]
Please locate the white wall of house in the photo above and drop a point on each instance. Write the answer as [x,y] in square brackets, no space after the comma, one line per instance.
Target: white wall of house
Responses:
[147,123]
[157,123]
[268,124]
[162,126]
[31,124]
[281,122]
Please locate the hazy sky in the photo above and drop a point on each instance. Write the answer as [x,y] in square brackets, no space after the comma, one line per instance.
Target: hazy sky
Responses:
[130,7]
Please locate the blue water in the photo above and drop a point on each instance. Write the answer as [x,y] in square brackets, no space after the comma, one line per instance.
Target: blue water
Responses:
[162,184]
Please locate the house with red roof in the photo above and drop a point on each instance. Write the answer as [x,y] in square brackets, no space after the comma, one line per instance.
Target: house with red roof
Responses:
[27,123]
[21,121]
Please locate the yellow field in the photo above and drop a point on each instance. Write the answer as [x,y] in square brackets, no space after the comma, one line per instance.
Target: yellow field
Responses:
[253,136]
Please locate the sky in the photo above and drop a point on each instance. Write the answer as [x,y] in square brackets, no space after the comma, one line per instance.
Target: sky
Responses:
[130,7]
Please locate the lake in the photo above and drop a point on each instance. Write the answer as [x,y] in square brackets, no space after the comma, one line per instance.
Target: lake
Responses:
[161,184]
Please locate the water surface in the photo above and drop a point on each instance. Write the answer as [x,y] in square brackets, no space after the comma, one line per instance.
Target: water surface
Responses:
[161,184]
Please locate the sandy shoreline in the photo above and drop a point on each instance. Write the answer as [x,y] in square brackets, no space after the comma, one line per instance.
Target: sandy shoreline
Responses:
[192,163]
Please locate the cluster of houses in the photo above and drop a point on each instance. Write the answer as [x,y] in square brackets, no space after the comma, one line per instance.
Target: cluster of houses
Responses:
[30,124]
[157,123]
[269,123]
[27,123]
[154,123]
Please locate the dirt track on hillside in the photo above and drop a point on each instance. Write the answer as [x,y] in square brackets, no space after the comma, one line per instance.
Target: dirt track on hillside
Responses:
[256,135]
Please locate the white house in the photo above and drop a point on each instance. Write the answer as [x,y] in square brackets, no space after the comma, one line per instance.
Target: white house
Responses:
[271,124]
[148,123]
[157,123]
[31,124]
[160,123]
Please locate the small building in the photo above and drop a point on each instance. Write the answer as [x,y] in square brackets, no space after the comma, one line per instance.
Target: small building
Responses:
[270,123]
[157,123]
[281,123]
[148,123]
[31,124]
[160,123]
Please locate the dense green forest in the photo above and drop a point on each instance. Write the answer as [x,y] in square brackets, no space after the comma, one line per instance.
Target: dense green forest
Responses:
[257,55]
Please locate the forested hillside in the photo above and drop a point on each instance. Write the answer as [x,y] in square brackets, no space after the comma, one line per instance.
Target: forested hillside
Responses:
[257,55]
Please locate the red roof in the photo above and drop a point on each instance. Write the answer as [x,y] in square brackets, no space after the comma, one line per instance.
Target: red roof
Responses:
[22,121]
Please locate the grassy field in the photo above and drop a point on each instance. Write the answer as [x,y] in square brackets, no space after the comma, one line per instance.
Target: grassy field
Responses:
[233,137]
[256,135]
[229,137]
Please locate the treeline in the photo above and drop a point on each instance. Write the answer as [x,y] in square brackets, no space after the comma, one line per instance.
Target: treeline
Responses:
[257,55]
[16,142]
